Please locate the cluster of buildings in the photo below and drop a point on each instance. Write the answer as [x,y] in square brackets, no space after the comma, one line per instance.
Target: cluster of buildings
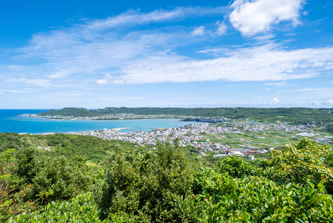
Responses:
[121,116]
[257,127]
[207,119]
[325,139]
[195,135]
[124,116]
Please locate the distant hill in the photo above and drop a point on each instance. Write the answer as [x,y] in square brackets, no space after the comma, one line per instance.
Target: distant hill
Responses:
[75,112]
[290,115]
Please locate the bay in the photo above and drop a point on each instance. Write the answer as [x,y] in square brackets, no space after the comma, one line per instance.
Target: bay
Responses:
[12,121]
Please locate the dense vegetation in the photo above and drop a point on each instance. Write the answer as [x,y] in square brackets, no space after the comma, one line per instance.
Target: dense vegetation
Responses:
[28,182]
[140,184]
[329,128]
[88,147]
[290,115]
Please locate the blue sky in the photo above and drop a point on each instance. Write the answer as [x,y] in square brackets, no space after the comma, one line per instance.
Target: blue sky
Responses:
[96,54]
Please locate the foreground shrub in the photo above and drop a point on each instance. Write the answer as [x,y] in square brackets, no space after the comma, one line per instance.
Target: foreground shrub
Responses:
[53,178]
[254,199]
[237,167]
[143,183]
[305,162]
[27,182]
[11,190]
[82,208]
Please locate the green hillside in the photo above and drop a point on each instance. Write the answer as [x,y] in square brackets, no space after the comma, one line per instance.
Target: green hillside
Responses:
[90,148]
[76,112]
[290,115]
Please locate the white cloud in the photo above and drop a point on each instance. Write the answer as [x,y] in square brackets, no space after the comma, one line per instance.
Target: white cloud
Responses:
[60,73]
[221,28]
[330,102]
[275,100]
[256,16]
[12,91]
[102,81]
[316,103]
[72,57]
[279,84]
[264,37]
[24,80]
[310,90]
[132,17]
[98,45]
[148,56]
[317,92]
[215,51]
[260,63]
[198,31]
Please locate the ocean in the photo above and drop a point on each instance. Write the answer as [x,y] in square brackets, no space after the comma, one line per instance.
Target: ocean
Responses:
[11,121]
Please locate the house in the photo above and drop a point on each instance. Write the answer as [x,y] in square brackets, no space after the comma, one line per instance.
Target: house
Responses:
[235,153]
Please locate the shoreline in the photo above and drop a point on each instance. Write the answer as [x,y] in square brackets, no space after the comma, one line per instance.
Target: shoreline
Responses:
[128,126]
[25,123]
[98,119]
[181,118]
[69,133]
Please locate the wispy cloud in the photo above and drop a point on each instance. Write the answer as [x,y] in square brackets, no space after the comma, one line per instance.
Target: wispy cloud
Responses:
[221,29]
[125,49]
[278,84]
[132,17]
[260,63]
[264,37]
[144,56]
[23,80]
[309,90]
[198,31]
[10,91]
[99,45]
[323,93]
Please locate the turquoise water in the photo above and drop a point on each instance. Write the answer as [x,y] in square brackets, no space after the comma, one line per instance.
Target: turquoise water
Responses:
[11,121]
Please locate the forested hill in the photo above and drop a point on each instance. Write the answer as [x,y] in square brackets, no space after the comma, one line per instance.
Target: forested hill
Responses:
[75,112]
[291,115]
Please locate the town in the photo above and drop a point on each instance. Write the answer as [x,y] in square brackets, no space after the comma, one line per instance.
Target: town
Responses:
[127,116]
[222,138]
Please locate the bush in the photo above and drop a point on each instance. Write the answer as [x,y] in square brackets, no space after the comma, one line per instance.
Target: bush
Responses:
[254,199]
[26,162]
[237,167]
[12,187]
[142,184]
[53,178]
[82,208]
[300,164]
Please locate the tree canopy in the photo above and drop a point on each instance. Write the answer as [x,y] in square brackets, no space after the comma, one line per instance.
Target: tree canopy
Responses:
[290,115]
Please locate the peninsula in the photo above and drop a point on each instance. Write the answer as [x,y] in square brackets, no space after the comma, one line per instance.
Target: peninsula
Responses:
[289,115]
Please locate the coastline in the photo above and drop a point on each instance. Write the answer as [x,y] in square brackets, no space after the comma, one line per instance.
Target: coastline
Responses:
[137,117]
[69,133]
[20,123]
